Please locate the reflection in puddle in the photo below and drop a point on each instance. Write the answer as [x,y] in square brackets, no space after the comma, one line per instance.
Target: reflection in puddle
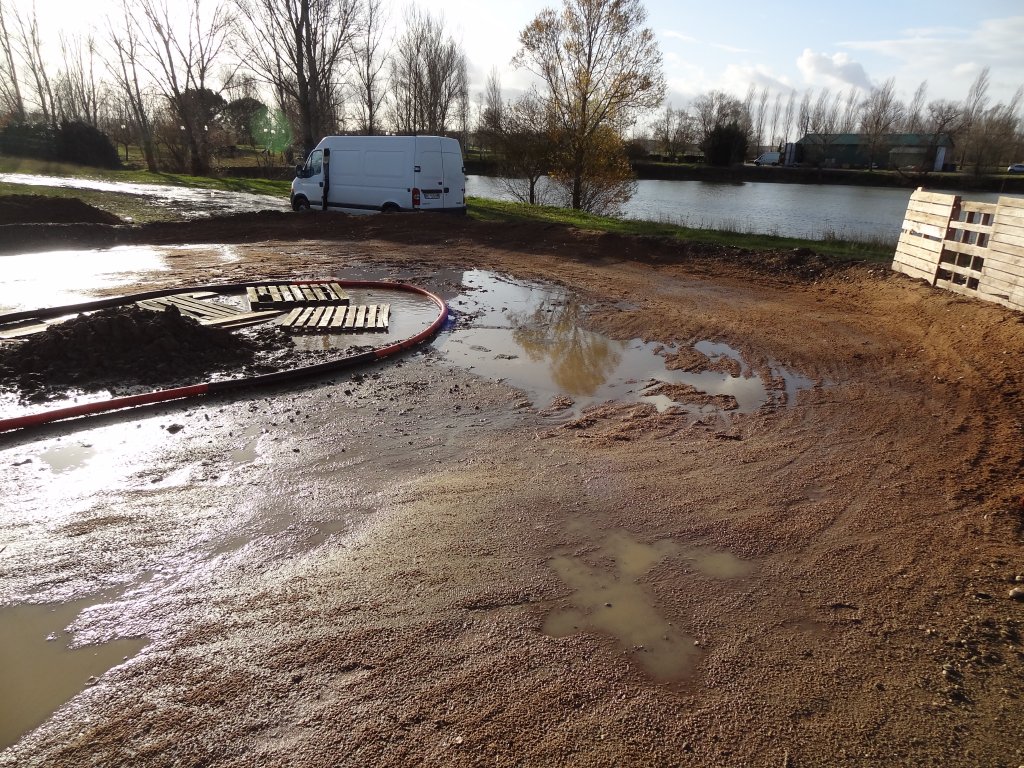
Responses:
[614,604]
[38,672]
[531,336]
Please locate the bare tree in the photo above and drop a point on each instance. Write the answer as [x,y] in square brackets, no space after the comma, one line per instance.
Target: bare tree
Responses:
[715,109]
[125,68]
[674,131]
[11,100]
[601,66]
[851,107]
[429,78]
[881,114]
[34,61]
[788,116]
[493,105]
[914,117]
[180,58]
[369,78]
[299,48]
[76,90]
[773,131]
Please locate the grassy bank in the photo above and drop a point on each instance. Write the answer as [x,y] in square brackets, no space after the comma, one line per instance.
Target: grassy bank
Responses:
[43,168]
[497,210]
[141,210]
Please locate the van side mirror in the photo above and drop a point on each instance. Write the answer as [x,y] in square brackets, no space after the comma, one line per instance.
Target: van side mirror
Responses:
[298,171]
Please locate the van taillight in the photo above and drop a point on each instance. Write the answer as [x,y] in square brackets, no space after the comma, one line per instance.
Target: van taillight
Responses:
[415,197]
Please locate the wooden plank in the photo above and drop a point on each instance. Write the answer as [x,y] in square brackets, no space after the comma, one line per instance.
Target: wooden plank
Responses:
[974,206]
[965,248]
[1012,247]
[304,317]
[926,249]
[339,293]
[371,316]
[909,252]
[318,294]
[292,317]
[919,265]
[1006,271]
[914,272]
[252,296]
[339,316]
[204,307]
[966,226]
[360,316]
[350,318]
[1011,202]
[314,319]
[916,229]
[933,219]
[932,209]
[275,293]
[1009,228]
[326,317]
[933,197]
[383,315]
[17,331]
[242,319]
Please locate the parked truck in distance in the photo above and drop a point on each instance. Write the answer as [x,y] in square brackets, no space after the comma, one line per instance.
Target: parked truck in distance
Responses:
[368,174]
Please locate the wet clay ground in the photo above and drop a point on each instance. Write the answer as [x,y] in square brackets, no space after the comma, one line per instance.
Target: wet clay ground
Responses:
[411,565]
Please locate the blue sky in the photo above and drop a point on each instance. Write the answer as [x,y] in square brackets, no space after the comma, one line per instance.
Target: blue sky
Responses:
[727,45]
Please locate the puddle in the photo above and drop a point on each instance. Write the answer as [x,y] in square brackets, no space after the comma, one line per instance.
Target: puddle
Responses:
[531,337]
[67,457]
[410,314]
[612,603]
[187,202]
[56,278]
[39,672]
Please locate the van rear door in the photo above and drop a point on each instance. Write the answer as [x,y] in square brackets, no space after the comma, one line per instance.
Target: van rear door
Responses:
[429,172]
[454,175]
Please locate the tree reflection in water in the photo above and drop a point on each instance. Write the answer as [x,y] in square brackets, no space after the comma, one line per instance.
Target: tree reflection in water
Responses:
[579,361]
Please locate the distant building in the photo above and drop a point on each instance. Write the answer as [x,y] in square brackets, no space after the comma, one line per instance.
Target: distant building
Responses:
[916,151]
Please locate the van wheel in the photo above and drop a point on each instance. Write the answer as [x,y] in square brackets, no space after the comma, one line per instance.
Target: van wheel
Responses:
[300,204]
[389,208]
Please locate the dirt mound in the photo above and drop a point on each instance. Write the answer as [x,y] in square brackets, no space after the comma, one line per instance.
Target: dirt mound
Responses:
[118,347]
[42,209]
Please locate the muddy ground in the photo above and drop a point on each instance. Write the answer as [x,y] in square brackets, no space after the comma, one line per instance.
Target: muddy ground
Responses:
[413,566]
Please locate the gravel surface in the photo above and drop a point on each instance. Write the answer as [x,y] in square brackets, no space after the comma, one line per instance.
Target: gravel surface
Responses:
[412,566]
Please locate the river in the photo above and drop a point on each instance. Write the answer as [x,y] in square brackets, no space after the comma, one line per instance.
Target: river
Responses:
[812,211]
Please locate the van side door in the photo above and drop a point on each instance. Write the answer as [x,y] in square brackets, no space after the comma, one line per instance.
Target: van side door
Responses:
[310,183]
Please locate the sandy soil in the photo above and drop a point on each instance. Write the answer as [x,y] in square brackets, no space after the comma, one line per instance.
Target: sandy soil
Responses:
[412,568]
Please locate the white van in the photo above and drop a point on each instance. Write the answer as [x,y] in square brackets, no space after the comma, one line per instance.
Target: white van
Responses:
[769,158]
[362,174]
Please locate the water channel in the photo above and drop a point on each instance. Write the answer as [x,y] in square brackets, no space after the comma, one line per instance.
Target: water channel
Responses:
[812,211]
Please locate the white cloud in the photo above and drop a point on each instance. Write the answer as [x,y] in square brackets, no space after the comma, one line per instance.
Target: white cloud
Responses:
[672,34]
[837,69]
[951,57]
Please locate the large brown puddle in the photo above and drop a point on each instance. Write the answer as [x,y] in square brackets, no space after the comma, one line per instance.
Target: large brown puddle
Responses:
[532,337]
[38,670]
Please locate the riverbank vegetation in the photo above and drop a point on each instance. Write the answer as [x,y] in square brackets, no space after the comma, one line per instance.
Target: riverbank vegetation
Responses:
[141,210]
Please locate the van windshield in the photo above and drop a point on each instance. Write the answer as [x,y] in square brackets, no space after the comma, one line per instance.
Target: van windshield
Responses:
[314,163]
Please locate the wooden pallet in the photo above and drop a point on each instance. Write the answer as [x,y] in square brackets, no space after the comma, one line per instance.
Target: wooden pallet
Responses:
[350,319]
[208,312]
[286,295]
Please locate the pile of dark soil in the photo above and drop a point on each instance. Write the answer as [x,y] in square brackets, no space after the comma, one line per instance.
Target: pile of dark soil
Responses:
[42,209]
[123,347]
